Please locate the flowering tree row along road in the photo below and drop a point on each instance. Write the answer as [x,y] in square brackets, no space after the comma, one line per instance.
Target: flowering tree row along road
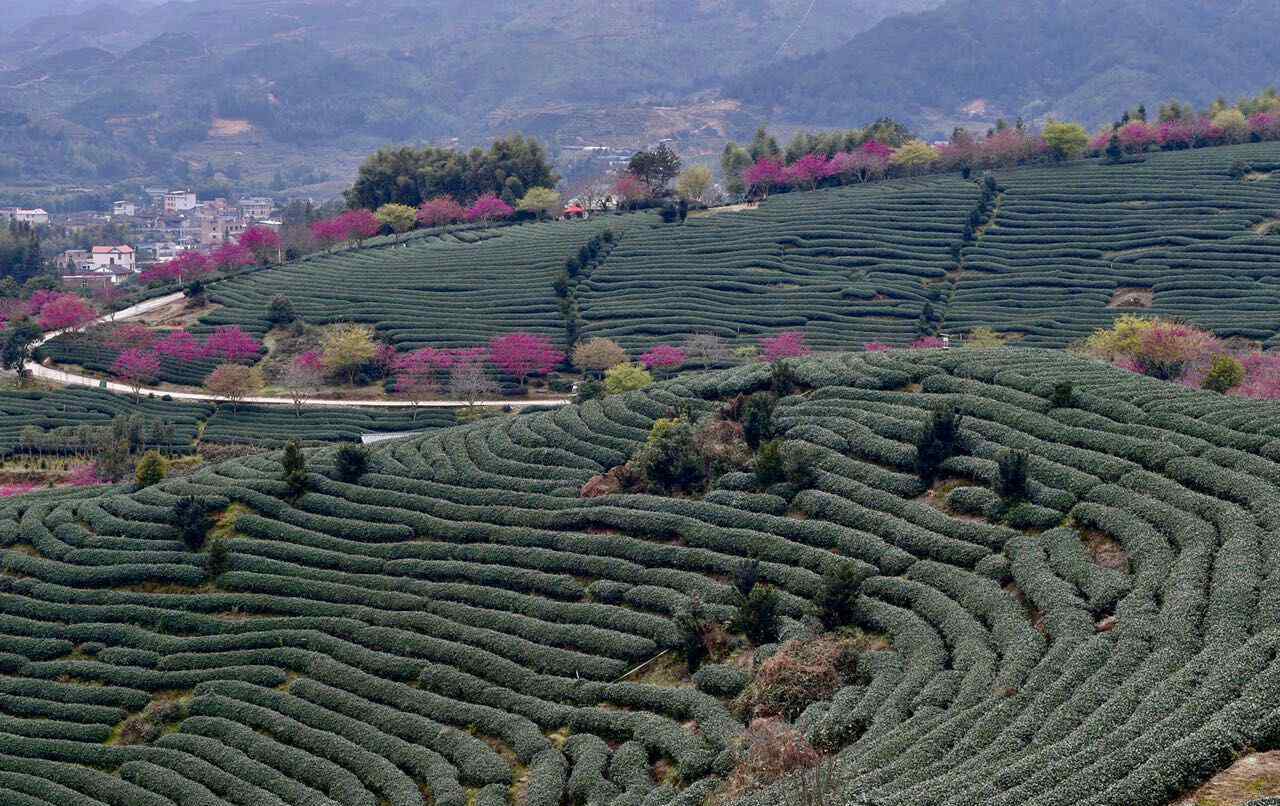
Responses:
[65,378]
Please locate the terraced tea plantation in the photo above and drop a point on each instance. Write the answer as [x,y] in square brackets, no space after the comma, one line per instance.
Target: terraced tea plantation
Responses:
[452,291]
[1070,247]
[56,419]
[1065,250]
[458,626]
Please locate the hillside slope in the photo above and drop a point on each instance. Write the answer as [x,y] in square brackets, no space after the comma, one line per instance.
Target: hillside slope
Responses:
[443,624]
[1066,248]
[1082,60]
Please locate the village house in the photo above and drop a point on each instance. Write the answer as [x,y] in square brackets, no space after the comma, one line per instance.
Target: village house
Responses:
[124,208]
[73,261]
[35,217]
[179,201]
[114,258]
[256,208]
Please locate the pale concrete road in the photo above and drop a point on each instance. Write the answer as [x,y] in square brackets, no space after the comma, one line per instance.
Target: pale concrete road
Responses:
[65,378]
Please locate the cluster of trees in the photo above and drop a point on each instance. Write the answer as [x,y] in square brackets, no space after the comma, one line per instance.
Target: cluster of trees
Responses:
[26,321]
[887,150]
[141,350]
[256,246]
[1182,353]
[410,176]
[20,252]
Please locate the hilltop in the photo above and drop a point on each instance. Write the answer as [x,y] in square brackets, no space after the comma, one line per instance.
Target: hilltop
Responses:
[460,622]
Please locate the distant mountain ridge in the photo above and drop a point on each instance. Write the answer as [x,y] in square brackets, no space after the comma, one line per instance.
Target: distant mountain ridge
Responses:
[1069,59]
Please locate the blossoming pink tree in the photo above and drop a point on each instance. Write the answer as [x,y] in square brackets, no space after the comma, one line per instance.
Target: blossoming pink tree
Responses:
[231,256]
[809,170]
[329,232]
[181,269]
[180,346]
[419,374]
[137,368]
[263,243]
[230,343]
[765,175]
[489,208]
[663,357]
[360,225]
[441,211]
[129,334]
[304,378]
[789,344]
[524,354]
[927,343]
[66,312]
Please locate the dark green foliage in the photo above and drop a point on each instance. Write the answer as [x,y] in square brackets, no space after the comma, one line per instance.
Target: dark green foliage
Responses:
[692,624]
[669,214]
[841,586]
[1239,169]
[938,441]
[411,176]
[757,615]
[294,466]
[152,468]
[782,378]
[218,558]
[192,517]
[1064,395]
[800,466]
[194,291]
[745,575]
[769,466]
[19,339]
[588,390]
[757,418]
[1114,153]
[1011,484]
[351,461]
[656,168]
[280,311]
[1225,374]
[670,460]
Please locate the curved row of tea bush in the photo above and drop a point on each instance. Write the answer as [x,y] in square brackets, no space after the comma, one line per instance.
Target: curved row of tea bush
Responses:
[459,623]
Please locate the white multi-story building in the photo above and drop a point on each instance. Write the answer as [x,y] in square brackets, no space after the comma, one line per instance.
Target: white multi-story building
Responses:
[179,201]
[124,208]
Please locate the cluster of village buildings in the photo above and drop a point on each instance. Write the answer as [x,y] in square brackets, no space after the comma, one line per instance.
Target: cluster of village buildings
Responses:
[161,226]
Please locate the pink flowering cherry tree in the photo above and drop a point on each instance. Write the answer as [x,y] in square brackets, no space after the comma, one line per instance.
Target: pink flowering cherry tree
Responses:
[489,208]
[663,357]
[230,343]
[137,368]
[263,243]
[180,346]
[524,354]
[66,312]
[788,344]
[441,211]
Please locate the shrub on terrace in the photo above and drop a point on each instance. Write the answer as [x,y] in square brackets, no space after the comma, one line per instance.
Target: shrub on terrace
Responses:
[191,516]
[351,461]
[1011,482]
[769,751]
[626,378]
[757,615]
[670,460]
[938,441]
[152,469]
[1225,374]
[769,466]
[597,355]
[281,312]
[841,585]
[294,466]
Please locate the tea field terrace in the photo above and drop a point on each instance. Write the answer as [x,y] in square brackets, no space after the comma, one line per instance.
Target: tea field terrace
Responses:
[459,622]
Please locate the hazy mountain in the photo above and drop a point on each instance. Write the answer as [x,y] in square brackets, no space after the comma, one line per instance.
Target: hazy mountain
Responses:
[1076,59]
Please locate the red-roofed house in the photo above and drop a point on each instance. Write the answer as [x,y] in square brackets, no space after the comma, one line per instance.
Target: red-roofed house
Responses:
[575,211]
[116,259]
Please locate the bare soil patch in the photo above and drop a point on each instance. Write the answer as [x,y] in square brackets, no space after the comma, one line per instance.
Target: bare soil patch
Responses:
[728,208]
[1258,176]
[1256,775]
[230,127]
[1268,227]
[1105,551]
[1131,298]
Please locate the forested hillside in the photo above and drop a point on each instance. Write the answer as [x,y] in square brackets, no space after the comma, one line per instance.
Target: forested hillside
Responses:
[1080,60]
